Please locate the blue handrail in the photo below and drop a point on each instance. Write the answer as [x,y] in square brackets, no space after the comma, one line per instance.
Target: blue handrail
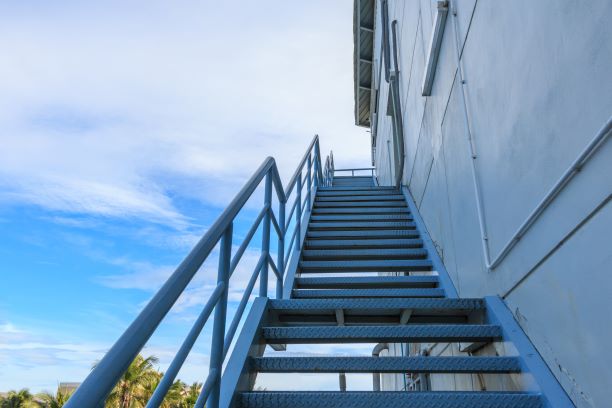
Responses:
[100,382]
[328,172]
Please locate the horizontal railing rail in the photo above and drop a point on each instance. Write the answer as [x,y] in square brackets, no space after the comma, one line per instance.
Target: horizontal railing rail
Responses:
[307,176]
[357,169]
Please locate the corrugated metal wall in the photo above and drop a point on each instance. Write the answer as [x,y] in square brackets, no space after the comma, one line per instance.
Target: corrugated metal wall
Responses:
[538,87]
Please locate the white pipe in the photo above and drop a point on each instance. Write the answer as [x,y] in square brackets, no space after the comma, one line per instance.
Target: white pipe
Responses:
[472,147]
[574,168]
[376,353]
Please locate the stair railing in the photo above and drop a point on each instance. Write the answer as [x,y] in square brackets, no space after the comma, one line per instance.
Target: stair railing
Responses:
[328,172]
[100,382]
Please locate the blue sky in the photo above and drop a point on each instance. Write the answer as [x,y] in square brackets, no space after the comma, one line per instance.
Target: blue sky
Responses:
[125,128]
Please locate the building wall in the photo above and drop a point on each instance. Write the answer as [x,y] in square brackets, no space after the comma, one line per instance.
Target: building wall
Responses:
[538,88]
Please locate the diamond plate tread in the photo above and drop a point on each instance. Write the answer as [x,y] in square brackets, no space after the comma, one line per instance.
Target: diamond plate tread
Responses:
[378,265]
[458,304]
[325,225]
[414,333]
[384,197]
[364,234]
[366,253]
[386,364]
[367,293]
[360,210]
[364,243]
[366,218]
[366,281]
[389,399]
[333,204]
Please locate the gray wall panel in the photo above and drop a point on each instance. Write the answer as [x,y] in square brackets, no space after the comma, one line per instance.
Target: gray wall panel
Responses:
[538,88]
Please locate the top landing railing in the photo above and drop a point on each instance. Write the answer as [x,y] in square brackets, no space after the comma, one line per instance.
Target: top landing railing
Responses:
[96,387]
[329,171]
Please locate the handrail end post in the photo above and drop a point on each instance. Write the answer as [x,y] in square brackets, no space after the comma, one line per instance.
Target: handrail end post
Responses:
[265,244]
[218,337]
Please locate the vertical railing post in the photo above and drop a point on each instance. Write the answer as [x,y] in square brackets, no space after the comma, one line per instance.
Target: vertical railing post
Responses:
[308,181]
[216,349]
[265,238]
[298,212]
[316,165]
[280,257]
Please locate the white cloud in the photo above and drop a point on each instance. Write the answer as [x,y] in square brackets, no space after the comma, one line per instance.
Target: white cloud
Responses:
[112,109]
[140,275]
[125,110]
[39,361]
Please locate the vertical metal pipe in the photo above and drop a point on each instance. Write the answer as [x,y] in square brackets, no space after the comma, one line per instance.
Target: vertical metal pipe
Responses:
[265,238]
[298,212]
[218,337]
[475,181]
[384,15]
[308,180]
[376,353]
[342,381]
[397,109]
[280,256]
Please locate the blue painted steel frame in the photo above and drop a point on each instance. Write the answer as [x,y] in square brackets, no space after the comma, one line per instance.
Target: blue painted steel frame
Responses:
[446,282]
[98,384]
[237,376]
[531,362]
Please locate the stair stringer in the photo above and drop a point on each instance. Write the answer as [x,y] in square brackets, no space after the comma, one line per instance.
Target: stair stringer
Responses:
[540,379]
[446,282]
[237,376]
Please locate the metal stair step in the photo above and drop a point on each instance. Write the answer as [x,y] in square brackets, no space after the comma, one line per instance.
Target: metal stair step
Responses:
[374,311]
[349,188]
[386,364]
[360,183]
[335,198]
[355,193]
[379,265]
[413,333]
[350,204]
[358,177]
[367,293]
[360,210]
[363,243]
[430,305]
[365,218]
[345,225]
[389,399]
[353,179]
[366,253]
[363,234]
[336,282]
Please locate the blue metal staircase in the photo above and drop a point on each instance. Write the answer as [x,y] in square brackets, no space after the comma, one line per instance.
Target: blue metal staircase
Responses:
[363,271]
